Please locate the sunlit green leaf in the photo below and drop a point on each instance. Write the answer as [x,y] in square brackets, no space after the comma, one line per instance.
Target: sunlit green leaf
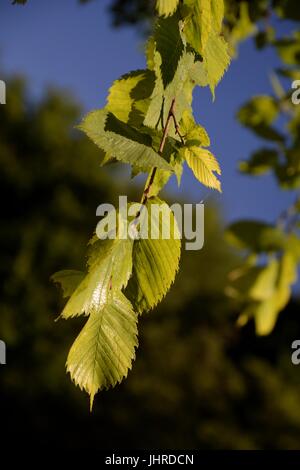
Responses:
[102,354]
[110,267]
[194,135]
[216,60]
[129,96]
[198,24]
[179,89]
[204,166]
[124,142]
[155,261]
[166,7]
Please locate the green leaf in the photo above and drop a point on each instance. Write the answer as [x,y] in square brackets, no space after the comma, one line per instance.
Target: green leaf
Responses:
[216,60]
[243,27]
[198,24]
[122,141]
[266,313]
[170,47]
[204,166]
[150,50]
[266,290]
[253,283]
[198,74]
[293,245]
[155,261]
[202,30]
[102,354]
[258,115]
[69,280]
[129,96]
[289,49]
[217,14]
[179,89]
[119,100]
[162,177]
[166,7]
[288,176]
[260,110]
[194,135]
[258,237]
[260,162]
[109,269]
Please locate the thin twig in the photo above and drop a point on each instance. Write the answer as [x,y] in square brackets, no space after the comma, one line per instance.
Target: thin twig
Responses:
[177,128]
[171,116]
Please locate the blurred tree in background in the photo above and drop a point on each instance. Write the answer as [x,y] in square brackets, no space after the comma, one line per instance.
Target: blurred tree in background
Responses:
[198,382]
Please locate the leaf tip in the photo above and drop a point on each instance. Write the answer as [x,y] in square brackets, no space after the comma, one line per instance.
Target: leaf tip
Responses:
[92,398]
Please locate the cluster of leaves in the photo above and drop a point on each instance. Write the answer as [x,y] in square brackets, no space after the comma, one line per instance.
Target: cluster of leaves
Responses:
[242,17]
[148,123]
[263,284]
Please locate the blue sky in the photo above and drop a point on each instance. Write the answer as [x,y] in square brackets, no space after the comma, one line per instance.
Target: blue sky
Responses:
[64,44]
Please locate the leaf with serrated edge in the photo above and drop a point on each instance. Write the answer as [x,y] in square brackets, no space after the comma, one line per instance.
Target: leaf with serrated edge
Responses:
[129,97]
[216,60]
[194,134]
[102,354]
[109,271]
[166,7]
[179,89]
[217,13]
[204,166]
[198,24]
[155,262]
[170,47]
[126,143]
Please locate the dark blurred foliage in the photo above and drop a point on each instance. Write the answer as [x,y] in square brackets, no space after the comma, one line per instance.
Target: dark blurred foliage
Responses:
[132,11]
[140,12]
[198,381]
